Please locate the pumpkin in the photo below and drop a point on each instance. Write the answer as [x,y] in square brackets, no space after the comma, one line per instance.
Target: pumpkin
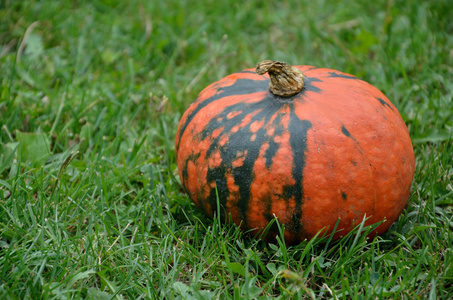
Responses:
[308,146]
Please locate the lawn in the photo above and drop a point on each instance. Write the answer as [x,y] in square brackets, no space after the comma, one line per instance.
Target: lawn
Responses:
[91,93]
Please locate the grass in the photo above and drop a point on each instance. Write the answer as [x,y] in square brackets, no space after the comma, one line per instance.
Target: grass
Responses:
[91,93]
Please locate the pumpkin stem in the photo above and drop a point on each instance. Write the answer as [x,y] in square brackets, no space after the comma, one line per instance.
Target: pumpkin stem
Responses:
[286,80]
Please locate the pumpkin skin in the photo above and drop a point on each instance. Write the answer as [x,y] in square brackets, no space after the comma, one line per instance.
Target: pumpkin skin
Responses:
[338,149]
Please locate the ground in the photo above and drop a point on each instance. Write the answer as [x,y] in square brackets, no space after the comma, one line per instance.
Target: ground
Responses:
[91,93]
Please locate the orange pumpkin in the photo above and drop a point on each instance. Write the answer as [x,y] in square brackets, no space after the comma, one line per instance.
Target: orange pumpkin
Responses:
[304,144]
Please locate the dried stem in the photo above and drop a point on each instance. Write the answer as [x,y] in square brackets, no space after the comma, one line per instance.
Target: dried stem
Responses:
[286,80]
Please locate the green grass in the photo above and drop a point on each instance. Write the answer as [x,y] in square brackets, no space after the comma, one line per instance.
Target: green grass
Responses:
[91,93]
